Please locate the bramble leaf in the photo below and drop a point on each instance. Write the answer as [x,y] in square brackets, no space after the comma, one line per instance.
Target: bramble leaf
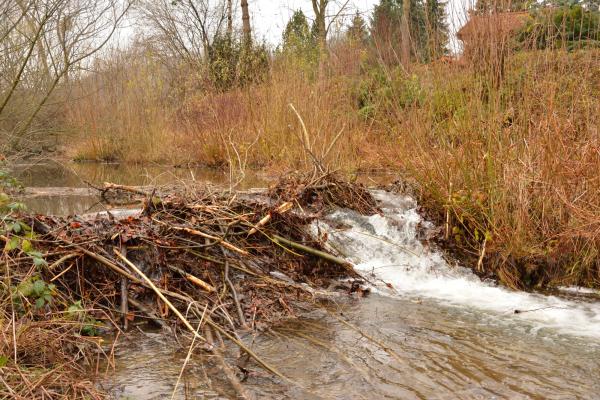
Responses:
[39,303]
[26,246]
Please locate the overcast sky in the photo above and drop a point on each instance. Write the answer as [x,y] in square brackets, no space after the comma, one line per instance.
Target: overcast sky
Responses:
[269,17]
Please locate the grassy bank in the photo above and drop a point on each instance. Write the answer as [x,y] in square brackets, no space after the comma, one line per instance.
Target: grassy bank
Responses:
[510,168]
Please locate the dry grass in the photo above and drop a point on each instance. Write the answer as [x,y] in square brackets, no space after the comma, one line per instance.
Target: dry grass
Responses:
[135,112]
[517,164]
[510,152]
[44,356]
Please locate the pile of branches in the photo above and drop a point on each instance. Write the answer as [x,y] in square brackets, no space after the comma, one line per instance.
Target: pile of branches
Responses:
[324,192]
[211,265]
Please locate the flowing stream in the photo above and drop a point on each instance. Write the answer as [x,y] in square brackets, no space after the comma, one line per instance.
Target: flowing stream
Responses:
[429,330]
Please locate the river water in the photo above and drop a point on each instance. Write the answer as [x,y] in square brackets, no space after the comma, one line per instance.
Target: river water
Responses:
[430,329]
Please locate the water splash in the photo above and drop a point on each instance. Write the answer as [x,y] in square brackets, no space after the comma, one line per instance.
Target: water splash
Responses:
[387,250]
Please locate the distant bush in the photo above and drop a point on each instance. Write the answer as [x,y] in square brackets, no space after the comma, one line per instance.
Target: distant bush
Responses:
[379,90]
[570,27]
[232,64]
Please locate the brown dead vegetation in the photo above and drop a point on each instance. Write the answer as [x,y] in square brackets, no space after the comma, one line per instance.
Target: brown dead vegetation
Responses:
[207,264]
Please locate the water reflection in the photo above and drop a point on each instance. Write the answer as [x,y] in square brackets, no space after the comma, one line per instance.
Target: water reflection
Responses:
[62,177]
[64,204]
[77,174]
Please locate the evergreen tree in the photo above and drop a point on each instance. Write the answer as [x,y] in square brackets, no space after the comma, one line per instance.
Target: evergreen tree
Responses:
[437,28]
[297,36]
[357,31]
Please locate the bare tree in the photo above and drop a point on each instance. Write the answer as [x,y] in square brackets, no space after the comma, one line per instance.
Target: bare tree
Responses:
[320,9]
[42,43]
[185,29]
[323,21]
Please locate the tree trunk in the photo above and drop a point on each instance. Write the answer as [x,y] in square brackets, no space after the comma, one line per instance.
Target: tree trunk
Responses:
[319,7]
[246,23]
[230,19]
[405,31]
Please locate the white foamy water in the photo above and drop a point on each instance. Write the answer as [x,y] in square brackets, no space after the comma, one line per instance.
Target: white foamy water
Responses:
[385,248]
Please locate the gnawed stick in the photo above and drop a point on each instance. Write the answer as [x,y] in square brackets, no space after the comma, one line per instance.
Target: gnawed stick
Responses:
[310,250]
[195,280]
[196,232]
[284,207]
[159,294]
[131,189]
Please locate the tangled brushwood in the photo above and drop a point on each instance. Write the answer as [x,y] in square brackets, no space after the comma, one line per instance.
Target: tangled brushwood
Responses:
[202,263]
[320,192]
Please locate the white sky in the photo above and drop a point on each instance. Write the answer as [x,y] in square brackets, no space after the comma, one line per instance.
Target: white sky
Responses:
[271,16]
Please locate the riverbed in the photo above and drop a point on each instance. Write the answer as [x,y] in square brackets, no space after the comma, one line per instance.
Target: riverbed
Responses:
[430,329]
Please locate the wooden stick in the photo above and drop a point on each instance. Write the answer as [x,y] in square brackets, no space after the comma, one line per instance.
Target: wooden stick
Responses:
[189,354]
[314,252]
[248,351]
[195,280]
[110,265]
[124,297]
[482,255]
[205,235]
[280,210]
[62,260]
[131,189]
[370,338]
[235,297]
[227,370]
[159,294]
[148,312]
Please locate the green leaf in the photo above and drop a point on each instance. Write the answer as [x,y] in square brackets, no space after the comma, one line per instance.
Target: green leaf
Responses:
[75,309]
[26,246]
[39,303]
[13,243]
[16,206]
[89,330]
[25,288]
[16,227]
[39,287]
[39,262]
[3,361]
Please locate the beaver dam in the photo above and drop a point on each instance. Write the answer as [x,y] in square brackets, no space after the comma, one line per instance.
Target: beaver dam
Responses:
[315,288]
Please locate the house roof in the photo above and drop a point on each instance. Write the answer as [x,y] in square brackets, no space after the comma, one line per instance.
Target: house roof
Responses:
[502,22]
